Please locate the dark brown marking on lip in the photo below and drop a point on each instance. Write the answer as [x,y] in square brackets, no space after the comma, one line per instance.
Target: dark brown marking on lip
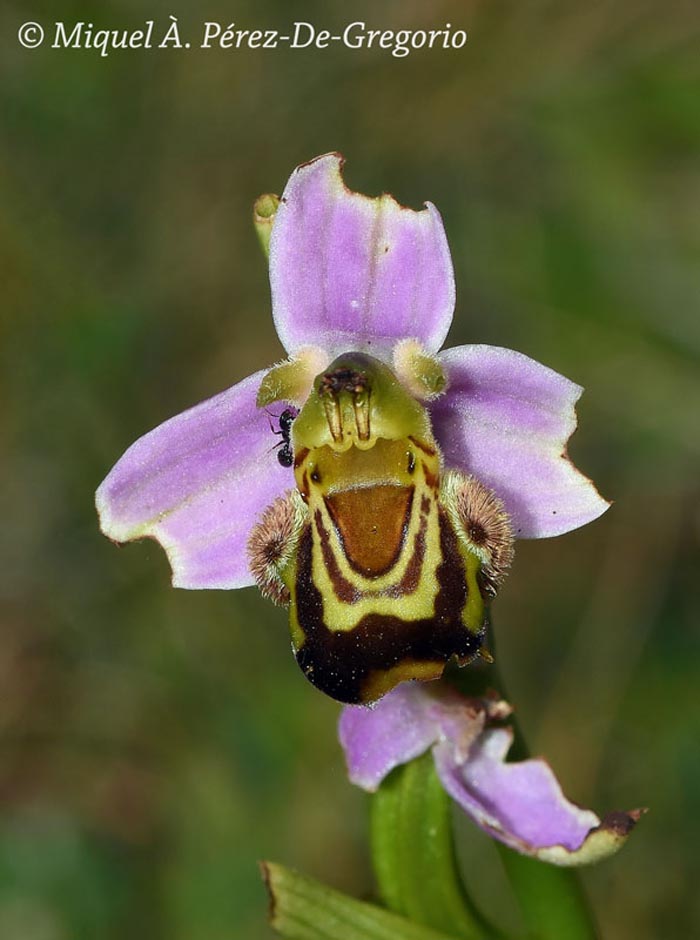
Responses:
[343,589]
[426,448]
[431,479]
[343,664]
[301,457]
[411,576]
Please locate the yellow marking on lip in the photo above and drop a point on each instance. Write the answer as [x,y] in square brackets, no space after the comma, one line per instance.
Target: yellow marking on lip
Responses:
[379,594]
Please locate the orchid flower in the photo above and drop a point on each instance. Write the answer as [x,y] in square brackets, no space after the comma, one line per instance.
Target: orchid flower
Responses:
[385,521]
[521,803]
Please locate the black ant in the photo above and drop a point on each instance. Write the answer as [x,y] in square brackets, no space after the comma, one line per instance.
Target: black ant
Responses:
[285,453]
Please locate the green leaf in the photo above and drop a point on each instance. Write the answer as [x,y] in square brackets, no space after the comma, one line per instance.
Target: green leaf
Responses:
[304,909]
[414,856]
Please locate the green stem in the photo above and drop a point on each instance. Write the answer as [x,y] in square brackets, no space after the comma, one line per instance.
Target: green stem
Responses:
[551,899]
[414,856]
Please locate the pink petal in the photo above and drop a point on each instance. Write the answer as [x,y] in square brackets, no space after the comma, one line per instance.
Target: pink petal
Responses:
[521,803]
[402,725]
[353,272]
[377,738]
[506,419]
[197,484]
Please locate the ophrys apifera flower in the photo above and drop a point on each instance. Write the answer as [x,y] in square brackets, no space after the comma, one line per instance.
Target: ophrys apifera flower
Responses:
[386,519]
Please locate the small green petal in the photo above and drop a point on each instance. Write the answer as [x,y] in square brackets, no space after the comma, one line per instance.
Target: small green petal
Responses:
[292,379]
[421,373]
[264,211]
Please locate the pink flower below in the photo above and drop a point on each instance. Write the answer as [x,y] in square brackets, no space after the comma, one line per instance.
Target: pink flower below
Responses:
[520,803]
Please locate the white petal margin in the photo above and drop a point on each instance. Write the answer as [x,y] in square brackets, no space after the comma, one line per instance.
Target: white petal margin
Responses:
[522,804]
[197,484]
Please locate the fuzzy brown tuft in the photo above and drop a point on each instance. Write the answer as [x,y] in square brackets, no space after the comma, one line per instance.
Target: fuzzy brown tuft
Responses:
[268,548]
[487,526]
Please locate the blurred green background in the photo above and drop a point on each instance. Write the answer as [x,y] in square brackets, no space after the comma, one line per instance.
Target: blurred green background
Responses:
[155,743]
